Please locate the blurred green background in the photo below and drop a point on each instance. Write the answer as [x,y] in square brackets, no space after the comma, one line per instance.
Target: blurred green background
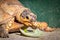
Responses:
[46,10]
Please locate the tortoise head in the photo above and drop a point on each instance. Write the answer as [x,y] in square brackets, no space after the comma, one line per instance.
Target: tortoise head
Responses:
[26,17]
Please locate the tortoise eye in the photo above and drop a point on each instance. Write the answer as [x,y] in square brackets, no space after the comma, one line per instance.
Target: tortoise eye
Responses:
[27,17]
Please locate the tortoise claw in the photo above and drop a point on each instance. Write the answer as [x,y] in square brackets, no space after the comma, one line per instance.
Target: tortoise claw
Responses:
[48,29]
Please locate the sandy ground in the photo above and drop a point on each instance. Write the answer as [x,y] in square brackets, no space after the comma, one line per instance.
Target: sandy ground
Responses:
[55,35]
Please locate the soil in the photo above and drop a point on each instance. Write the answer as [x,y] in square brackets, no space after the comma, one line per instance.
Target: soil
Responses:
[55,35]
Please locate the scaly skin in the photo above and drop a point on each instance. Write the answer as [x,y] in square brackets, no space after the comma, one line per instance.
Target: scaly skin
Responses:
[11,10]
[42,26]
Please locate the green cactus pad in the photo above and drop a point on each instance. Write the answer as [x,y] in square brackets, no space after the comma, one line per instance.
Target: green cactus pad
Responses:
[32,33]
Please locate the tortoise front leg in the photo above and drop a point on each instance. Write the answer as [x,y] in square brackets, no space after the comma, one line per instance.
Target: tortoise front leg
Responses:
[3,31]
[4,28]
[43,26]
[13,26]
[10,26]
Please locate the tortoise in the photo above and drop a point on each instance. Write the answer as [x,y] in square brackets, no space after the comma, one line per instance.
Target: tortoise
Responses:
[13,16]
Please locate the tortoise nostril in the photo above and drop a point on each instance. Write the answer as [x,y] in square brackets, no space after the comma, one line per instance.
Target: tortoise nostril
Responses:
[33,20]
